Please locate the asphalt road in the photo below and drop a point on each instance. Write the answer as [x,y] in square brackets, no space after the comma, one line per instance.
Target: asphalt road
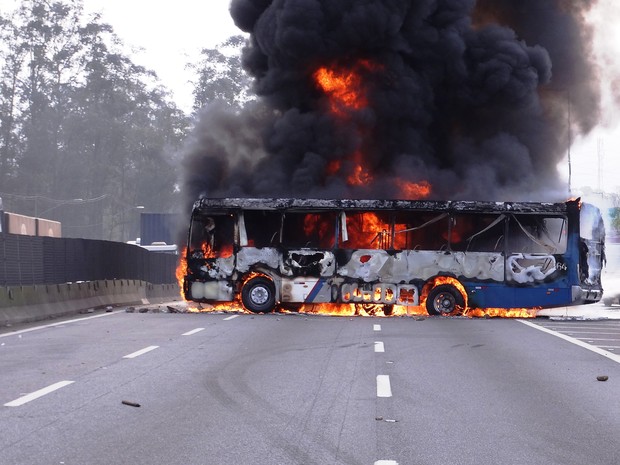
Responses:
[298,389]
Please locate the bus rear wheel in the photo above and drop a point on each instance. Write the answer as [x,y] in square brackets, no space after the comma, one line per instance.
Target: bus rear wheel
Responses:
[443,300]
[259,295]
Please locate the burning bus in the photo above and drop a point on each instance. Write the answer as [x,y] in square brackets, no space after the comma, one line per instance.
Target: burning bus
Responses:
[444,257]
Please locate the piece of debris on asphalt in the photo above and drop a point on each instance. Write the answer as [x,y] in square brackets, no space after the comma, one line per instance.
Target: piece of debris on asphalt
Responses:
[131,404]
[379,418]
[602,378]
[130,309]
[172,309]
[109,309]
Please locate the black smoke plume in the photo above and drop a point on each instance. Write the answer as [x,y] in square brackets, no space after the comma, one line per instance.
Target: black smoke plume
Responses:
[474,97]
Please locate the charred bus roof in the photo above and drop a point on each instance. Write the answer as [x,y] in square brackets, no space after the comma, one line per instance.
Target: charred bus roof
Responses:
[205,205]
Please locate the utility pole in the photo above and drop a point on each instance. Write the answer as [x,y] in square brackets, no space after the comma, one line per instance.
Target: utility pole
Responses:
[600,165]
[570,168]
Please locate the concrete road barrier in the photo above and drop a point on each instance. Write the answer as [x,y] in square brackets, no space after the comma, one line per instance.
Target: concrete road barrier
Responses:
[23,304]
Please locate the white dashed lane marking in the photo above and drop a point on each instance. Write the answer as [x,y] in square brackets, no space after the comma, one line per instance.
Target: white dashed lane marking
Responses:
[141,352]
[193,331]
[35,395]
[384,389]
[383,386]
[231,317]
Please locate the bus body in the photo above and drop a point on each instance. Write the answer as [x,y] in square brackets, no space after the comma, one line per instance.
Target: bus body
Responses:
[267,252]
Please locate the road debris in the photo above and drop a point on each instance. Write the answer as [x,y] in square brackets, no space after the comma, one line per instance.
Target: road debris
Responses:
[602,378]
[131,404]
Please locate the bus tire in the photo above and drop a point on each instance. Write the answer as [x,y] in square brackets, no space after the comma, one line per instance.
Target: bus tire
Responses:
[443,300]
[259,295]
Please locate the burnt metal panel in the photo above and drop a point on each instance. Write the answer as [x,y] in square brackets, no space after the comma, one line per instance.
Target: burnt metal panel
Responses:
[232,204]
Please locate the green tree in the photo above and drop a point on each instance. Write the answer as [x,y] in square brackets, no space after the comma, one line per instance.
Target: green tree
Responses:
[220,76]
[80,120]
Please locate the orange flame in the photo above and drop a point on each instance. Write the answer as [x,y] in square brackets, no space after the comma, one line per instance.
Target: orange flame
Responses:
[344,88]
[414,191]
[346,92]
[361,175]
[181,271]
[501,312]
[364,310]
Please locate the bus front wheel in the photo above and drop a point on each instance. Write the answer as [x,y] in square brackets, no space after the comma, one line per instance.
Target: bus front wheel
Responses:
[258,295]
[443,300]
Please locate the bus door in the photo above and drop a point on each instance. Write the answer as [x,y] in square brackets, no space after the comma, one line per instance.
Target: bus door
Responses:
[308,264]
[536,266]
[210,256]
[370,268]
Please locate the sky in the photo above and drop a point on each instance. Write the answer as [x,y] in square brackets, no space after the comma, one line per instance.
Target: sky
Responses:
[165,36]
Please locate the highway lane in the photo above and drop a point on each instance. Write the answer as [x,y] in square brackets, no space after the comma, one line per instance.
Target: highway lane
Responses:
[296,389]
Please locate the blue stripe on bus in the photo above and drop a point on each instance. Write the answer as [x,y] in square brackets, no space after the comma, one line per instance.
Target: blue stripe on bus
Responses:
[315,290]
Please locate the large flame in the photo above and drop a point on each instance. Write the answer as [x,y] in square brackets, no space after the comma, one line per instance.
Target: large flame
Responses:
[181,272]
[345,86]
[347,93]
[412,190]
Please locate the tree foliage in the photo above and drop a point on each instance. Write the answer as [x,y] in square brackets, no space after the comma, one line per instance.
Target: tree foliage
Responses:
[80,120]
[220,75]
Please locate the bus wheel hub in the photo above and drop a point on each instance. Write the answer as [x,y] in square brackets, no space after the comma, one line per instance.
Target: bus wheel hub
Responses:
[259,295]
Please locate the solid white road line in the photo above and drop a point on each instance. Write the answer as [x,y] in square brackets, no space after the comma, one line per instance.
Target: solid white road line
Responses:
[141,352]
[386,462]
[577,342]
[572,333]
[379,347]
[376,327]
[193,331]
[40,393]
[231,317]
[383,386]
[51,325]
